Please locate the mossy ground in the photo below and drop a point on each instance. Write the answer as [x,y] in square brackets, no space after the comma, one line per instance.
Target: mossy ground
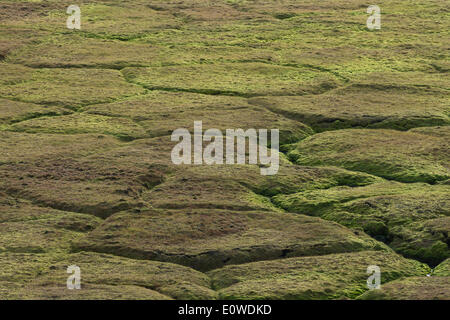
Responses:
[334,276]
[243,79]
[443,269]
[159,112]
[412,288]
[41,276]
[411,218]
[394,155]
[15,111]
[210,238]
[369,108]
[85,123]
[70,88]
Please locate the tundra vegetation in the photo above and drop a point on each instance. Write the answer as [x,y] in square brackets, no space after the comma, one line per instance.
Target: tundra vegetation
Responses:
[86,173]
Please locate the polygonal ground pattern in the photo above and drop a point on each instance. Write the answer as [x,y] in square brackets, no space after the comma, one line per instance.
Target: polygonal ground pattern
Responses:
[86,176]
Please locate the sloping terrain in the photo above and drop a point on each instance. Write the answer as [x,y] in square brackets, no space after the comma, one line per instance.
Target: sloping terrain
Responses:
[86,176]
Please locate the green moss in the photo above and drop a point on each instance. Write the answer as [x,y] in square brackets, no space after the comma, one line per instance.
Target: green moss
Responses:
[208,239]
[370,108]
[14,111]
[413,288]
[19,268]
[12,38]
[87,292]
[46,237]
[335,276]
[85,135]
[83,123]
[160,113]
[424,240]
[50,230]
[443,269]
[39,276]
[440,132]
[101,269]
[193,192]
[65,87]
[315,201]
[401,156]
[35,146]
[289,179]
[411,218]
[244,79]
[75,50]
[117,22]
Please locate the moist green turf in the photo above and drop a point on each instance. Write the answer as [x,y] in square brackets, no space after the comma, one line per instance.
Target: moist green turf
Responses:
[334,276]
[397,108]
[411,218]
[85,123]
[210,238]
[394,155]
[44,275]
[412,288]
[70,88]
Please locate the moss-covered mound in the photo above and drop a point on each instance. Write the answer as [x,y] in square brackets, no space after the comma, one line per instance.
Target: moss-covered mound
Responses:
[413,288]
[443,269]
[38,275]
[334,276]
[208,239]
[160,113]
[370,108]
[86,175]
[411,218]
[15,111]
[83,123]
[65,87]
[50,230]
[88,292]
[396,155]
[253,79]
